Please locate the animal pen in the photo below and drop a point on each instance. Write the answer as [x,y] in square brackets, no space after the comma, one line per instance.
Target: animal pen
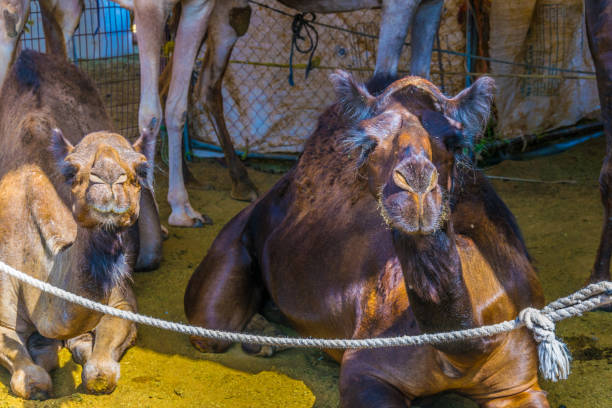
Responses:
[266,115]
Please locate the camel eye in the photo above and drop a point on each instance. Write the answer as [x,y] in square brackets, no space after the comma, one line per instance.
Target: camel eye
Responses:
[122,179]
[69,172]
[93,179]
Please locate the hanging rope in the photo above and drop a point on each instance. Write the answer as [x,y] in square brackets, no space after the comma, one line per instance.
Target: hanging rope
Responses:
[302,23]
[553,355]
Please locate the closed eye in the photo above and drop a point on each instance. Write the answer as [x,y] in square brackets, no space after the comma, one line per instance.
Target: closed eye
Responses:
[95,179]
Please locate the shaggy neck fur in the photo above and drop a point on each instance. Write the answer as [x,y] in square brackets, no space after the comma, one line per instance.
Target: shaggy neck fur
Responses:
[434,282]
[106,259]
[98,260]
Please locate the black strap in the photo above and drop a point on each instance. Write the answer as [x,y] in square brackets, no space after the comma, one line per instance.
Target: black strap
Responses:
[302,22]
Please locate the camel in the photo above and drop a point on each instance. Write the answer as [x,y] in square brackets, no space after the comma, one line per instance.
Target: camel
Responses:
[598,16]
[70,200]
[222,23]
[60,19]
[382,229]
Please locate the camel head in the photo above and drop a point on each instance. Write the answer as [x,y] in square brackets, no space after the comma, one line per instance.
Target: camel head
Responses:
[13,13]
[105,173]
[408,140]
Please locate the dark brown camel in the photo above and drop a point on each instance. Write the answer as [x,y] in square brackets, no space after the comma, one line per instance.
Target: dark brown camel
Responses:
[599,30]
[381,230]
[69,203]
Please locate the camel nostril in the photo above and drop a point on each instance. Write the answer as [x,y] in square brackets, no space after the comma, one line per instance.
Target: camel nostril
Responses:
[400,180]
[433,181]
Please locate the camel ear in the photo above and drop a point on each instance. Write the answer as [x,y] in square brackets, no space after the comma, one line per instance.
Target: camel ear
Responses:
[61,147]
[472,107]
[145,145]
[354,97]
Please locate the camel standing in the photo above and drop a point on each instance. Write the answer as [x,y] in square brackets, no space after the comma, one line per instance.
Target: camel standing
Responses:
[223,22]
[599,30]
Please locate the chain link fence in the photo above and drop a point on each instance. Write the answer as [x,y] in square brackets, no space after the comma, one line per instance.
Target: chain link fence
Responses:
[263,112]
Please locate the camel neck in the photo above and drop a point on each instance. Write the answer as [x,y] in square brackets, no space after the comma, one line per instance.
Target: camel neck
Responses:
[96,262]
[434,281]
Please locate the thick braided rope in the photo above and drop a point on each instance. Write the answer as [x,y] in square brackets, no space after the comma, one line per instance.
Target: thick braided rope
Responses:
[588,298]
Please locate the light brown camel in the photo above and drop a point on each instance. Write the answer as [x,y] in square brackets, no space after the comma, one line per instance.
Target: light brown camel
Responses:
[222,22]
[69,202]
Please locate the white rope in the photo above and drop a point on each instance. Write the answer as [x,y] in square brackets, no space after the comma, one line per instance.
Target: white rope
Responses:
[554,358]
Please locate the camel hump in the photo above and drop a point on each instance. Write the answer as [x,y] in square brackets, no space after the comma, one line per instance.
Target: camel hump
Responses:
[34,72]
[27,74]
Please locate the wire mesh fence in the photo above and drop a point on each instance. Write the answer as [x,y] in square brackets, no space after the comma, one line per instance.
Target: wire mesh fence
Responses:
[103,47]
[263,113]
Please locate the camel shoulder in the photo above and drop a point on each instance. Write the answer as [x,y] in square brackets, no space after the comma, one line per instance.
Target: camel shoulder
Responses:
[40,205]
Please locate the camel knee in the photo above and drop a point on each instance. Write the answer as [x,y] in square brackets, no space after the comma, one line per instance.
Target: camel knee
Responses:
[81,347]
[176,115]
[31,382]
[239,19]
[150,114]
[605,183]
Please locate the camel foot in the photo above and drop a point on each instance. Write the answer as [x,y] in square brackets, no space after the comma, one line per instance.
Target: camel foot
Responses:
[259,325]
[31,382]
[164,232]
[244,190]
[100,377]
[185,216]
[208,346]
[80,347]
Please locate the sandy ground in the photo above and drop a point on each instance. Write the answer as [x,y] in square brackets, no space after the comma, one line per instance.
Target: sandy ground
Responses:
[561,225]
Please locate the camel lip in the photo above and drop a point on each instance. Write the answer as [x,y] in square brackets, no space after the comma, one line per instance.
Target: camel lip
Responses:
[111,211]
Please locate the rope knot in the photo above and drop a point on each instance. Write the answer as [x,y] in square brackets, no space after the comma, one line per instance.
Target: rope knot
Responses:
[553,354]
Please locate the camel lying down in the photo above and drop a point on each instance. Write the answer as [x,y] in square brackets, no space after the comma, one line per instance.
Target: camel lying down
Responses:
[68,216]
[382,230]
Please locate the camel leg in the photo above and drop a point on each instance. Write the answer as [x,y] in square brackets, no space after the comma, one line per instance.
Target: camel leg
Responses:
[112,337]
[224,292]
[28,380]
[44,351]
[12,20]
[424,27]
[397,15]
[228,23]
[150,17]
[599,30]
[149,233]
[60,19]
[191,29]
[531,398]
[362,390]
